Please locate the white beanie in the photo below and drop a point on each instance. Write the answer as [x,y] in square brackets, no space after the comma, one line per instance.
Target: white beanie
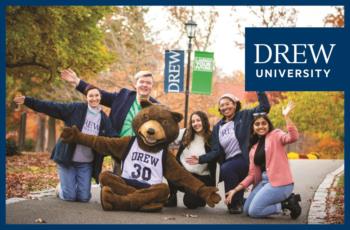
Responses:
[229,96]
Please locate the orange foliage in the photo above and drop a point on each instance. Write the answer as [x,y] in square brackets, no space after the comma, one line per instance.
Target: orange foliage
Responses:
[325,145]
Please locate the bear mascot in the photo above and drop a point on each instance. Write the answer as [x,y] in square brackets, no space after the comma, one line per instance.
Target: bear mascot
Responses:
[145,161]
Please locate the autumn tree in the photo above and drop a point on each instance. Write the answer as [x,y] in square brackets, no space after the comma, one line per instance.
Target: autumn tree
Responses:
[42,40]
[262,16]
[319,117]
[335,19]
[127,36]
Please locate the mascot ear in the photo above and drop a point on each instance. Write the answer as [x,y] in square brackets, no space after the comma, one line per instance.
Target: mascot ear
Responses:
[145,103]
[177,116]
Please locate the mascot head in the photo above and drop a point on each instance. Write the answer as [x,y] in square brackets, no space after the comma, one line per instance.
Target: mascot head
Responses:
[156,126]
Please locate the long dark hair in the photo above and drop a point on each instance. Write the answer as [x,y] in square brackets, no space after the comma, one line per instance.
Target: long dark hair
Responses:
[254,138]
[190,132]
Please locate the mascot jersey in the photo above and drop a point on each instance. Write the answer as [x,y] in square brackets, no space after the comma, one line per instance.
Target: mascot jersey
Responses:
[145,167]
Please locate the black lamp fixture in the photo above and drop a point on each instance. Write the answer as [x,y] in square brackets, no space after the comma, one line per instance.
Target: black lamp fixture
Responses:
[191,33]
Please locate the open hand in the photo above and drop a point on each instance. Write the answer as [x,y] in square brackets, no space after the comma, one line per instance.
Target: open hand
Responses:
[70,76]
[288,108]
[192,160]
[19,100]
[229,196]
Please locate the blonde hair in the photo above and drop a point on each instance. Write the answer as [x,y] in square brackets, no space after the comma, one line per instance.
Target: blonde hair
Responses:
[143,73]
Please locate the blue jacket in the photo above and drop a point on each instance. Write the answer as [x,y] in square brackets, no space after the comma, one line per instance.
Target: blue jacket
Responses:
[242,122]
[119,102]
[71,114]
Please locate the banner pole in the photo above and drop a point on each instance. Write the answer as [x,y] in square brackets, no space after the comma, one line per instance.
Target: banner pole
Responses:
[187,92]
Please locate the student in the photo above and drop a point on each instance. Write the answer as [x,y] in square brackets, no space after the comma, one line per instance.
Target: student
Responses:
[196,140]
[76,163]
[269,170]
[124,104]
[230,141]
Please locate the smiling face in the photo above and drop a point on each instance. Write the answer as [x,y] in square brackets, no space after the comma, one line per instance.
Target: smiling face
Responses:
[196,123]
[227,108]
[156,127]
[144,86]
[93,98]
[261,126]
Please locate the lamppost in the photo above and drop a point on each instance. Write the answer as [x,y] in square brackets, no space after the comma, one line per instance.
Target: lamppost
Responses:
[191,33]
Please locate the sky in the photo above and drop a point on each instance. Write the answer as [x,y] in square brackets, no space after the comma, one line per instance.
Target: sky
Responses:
[228,57]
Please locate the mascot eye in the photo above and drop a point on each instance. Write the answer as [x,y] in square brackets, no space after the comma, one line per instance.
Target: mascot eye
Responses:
[165,122]
[145,117]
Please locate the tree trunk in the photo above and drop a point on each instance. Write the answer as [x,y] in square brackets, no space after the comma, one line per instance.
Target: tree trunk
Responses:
[22,131]
[52,134]
[40,140]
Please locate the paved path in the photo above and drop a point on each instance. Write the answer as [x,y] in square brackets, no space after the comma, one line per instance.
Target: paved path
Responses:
[308,175]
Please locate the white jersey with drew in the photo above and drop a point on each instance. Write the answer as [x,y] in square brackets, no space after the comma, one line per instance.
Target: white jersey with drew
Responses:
[143,166]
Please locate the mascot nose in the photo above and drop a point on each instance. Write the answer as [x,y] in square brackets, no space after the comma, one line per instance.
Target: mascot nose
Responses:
[151,131]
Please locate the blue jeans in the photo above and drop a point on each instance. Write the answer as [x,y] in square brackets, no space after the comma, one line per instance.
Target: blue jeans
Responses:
[265,199]
[75,181]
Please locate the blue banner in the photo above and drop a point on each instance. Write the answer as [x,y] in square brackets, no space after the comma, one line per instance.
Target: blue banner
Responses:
[174,71]
[296,59]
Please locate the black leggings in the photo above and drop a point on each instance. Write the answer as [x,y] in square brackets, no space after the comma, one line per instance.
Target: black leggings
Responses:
[191,200]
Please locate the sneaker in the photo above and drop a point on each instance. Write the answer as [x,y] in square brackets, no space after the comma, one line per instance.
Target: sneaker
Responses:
[172,201]
[292,204]
[235,209]
[57,190]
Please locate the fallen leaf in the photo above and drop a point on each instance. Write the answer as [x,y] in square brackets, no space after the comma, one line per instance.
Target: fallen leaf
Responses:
[40,221]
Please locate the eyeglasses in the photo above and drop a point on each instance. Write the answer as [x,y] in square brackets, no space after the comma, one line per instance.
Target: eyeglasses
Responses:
[259,114]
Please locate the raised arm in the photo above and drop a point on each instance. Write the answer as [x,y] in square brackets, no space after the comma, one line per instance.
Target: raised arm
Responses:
[104,145]
[71,77]
[264,104]
[292,135]
[54,109]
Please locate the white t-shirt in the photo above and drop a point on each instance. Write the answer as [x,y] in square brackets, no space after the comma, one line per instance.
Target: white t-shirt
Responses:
[143,166]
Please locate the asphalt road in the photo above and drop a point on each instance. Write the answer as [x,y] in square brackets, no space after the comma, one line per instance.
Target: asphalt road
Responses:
[308,174]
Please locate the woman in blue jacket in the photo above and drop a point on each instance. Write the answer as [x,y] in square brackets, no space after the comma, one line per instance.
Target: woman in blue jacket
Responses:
[76,163]
[230,139]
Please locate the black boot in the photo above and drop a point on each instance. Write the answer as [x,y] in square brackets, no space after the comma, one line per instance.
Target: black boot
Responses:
[292,204]
[172,201]
[235,207]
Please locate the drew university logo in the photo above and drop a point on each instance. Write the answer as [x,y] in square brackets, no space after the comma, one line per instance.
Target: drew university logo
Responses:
[293,60]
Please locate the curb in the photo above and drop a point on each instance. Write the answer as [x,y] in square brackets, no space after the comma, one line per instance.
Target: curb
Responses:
[317,212]
[37,195]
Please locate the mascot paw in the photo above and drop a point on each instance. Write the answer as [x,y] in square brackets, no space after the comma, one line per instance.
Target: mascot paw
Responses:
[69,134]
[210,195]
[106,192]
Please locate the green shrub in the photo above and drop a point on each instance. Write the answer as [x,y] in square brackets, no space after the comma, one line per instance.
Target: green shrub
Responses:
[29,145]
[11,147]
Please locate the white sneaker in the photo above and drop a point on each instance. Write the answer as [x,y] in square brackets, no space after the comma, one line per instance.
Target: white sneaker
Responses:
[57,190]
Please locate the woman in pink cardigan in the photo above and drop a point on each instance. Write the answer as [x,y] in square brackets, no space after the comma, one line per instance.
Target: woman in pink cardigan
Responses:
[269,170]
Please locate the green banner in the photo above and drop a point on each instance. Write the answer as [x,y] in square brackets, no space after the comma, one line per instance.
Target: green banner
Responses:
[202,73]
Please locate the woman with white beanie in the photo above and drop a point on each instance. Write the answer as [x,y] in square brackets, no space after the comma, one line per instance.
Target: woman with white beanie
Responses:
[230,139]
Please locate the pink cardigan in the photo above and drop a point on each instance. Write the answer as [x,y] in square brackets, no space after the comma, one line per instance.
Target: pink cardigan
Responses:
[277,166]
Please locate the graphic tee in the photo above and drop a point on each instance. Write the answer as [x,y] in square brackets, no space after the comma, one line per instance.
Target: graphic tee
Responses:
[143,166]
[82,153]
[228,140]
